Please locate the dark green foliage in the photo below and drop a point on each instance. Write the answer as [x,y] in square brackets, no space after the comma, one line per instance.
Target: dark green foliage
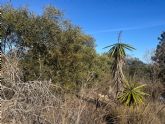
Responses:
[135,68]
[159,57]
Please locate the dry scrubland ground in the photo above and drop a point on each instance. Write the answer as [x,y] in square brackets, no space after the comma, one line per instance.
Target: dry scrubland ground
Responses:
[36,102]
[52,47]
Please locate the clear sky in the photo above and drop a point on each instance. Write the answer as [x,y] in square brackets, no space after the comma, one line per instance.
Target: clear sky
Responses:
[141,21]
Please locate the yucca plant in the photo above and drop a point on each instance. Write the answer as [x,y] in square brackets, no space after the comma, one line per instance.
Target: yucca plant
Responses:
[132,94]
[117,53]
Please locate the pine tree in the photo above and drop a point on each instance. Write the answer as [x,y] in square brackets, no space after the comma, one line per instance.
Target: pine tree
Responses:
[159,57]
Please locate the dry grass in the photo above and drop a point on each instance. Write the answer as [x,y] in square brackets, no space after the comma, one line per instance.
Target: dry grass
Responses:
[149,113]
[34,102]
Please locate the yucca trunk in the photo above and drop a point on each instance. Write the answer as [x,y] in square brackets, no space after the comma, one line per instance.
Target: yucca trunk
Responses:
[119,78]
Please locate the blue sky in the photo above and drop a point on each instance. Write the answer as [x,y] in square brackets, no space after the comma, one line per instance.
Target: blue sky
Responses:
[141,21]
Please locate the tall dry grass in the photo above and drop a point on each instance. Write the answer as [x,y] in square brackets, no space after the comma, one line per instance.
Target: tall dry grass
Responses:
[34,102]
[37,102]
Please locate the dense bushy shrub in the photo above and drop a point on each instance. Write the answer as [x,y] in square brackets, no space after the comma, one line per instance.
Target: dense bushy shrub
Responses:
[49,46]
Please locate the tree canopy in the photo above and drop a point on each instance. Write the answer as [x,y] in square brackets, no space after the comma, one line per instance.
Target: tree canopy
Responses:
[48,46]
